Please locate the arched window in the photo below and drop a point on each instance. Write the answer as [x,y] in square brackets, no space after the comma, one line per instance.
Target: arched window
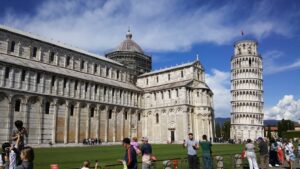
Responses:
[125,115]
[71,110]
[169,93]
[118,74]
[139,116]
[7,71]
[107,72]
[86,86]
[162,95]
[68,60]
[157,79]
[92,112]
[169,77]
[250,62]
[17,105]
[177,93]
[95,68]
[82,64]
[12,46]
[96,89]
[23,75]
[34,52]
[182,73]
[51,57]
[47,108]
[157,118]
[110,114]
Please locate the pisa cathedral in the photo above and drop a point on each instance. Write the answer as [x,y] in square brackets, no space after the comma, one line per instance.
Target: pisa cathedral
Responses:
[247,92]
[64,94]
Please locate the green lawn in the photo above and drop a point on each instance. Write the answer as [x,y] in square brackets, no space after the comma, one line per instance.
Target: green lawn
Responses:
[68,158]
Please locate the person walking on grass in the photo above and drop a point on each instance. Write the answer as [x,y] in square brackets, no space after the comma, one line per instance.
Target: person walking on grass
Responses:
[289,153]
[206,152]
[250,154]
[273,153]
[146,153]
[264,153]
[192,147]
[130,157]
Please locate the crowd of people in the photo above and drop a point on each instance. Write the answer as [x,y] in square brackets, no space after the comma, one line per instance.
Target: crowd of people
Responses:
[17,155]
[92,141]
[273,153]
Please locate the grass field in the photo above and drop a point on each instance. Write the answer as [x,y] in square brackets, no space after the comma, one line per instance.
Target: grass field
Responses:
[68,158]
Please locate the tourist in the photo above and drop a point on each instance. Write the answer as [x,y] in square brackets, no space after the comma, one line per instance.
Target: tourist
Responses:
[250,154]
[146,153]
[206,152]
[280,153]
[20,131]
[192,147]
[9,157]
[273,153]
[27,157]
[135,144]
[289,153]
[299,150]
[264,153]
[130,157]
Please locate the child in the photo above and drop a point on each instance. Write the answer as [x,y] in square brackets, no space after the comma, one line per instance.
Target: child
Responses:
[86,164]
[27,157]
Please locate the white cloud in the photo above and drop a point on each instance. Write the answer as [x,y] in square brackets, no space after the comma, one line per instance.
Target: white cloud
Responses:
[271,66]
[286,108]
[219,82]
[157,25]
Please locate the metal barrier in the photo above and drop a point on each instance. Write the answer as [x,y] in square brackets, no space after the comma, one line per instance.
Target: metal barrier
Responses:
[232,160]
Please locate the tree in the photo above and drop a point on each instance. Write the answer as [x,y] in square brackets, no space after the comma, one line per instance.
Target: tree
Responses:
[226,130]
[218,130]
[284,125]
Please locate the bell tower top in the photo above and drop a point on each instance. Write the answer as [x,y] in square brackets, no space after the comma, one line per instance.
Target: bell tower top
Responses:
[245,47]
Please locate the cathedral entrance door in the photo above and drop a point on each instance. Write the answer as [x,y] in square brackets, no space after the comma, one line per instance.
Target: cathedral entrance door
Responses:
[172,136]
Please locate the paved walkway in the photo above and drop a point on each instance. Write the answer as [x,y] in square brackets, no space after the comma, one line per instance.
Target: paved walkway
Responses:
[296,166]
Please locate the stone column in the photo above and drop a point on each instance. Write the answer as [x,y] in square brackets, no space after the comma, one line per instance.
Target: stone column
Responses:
[129,116]
[106,124]
[41,121]
[10,119]
[115,113]
[122,123]
[55,109]
[88,121]
[66,129]
[24,109]
[77,134]
[97,110]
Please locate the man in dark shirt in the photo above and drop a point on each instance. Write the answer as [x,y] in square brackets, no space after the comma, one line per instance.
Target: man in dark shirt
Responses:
[130,156]
[146,153]
[264,153]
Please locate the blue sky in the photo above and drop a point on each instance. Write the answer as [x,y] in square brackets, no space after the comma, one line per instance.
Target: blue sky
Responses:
[175,31]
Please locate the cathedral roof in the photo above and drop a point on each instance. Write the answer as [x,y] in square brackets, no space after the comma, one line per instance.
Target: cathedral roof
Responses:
[129,45]
[170,68]
[187,83]
[56,43]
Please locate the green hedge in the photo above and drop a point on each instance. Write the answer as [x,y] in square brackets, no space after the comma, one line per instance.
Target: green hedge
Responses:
[291,134]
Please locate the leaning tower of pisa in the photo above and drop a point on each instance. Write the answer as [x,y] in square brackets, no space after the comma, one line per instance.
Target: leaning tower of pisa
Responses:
[246,91]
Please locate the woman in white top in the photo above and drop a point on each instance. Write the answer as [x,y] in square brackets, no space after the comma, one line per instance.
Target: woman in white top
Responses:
[289,153]
[250,154]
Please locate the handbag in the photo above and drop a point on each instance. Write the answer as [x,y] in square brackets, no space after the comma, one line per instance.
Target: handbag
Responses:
[243,155]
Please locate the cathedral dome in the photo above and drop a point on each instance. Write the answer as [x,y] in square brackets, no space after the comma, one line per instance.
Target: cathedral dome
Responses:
[129,45]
